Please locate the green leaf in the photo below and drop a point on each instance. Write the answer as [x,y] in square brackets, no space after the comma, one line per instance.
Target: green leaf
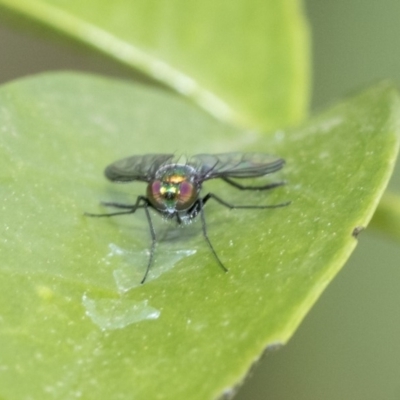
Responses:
[246,62]
[75,322]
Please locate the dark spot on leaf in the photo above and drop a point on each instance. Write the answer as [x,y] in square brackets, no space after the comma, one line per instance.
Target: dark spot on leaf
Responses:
[274,346]
[357,230]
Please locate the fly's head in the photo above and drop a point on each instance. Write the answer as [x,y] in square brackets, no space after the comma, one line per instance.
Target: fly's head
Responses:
[174,189]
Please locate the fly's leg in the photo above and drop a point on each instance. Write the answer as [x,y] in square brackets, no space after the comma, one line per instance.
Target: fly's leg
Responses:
[119,205]
[153,241]
[198,207]
[141,202]
[131,208]
[231,206]
[262,187]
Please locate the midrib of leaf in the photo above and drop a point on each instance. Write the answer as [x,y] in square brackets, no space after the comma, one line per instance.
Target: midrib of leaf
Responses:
[126,53]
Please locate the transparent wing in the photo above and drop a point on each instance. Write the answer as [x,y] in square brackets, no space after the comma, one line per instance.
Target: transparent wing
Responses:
[235,165]
[136,168]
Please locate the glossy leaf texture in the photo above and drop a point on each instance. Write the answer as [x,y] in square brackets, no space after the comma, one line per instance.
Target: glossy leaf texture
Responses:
[76,323]
[246,62]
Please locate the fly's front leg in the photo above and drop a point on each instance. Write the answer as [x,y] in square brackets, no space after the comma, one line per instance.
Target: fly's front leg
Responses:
[153,241]
[141,202]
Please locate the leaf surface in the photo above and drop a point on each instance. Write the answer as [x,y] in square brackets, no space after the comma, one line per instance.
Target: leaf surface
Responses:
[76,323]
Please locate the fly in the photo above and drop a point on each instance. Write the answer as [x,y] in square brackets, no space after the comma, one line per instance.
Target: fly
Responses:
[173,188]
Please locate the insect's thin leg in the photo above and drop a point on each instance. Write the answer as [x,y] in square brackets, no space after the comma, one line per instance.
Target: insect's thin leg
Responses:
[109,214]
[131,208]
[262,187]
[120,205]
[153,241]
[231,206]
[204,226]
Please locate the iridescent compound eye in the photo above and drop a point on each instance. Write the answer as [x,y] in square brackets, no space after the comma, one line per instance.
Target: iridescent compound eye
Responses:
[172,195]
[187,195]
[154,194]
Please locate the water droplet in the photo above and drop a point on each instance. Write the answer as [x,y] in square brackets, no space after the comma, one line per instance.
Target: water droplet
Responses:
[111,313]
[131,270]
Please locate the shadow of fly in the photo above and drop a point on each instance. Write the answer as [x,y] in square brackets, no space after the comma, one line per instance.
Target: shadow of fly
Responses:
[173,187]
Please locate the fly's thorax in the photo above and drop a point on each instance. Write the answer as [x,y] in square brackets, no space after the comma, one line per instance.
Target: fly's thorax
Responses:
[174,189]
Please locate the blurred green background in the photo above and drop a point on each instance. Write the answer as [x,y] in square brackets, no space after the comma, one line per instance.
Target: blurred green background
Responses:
[348,346]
